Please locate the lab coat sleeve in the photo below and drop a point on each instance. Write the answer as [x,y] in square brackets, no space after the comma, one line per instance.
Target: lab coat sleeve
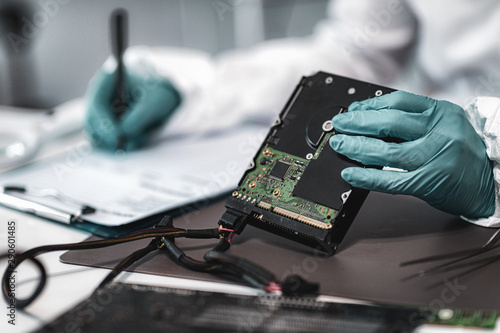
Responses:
[484,114]
[362,39]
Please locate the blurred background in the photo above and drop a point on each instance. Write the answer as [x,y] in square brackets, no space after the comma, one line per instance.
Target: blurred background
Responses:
[51,48]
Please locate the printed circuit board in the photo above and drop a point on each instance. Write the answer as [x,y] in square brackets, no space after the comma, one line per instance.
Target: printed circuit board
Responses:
[271,184]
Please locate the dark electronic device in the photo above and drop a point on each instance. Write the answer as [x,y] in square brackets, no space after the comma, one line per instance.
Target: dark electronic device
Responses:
[293,186]
[135,308]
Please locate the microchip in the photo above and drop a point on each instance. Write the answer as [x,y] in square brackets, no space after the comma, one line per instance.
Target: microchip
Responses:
[279,170]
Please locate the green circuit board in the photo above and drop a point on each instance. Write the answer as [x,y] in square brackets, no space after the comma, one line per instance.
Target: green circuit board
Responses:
[271,183]
[467,318]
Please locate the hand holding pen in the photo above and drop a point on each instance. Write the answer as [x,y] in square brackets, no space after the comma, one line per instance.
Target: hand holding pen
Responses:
[126,104]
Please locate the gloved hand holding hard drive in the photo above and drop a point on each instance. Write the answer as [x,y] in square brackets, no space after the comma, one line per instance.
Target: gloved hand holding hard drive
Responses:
[445,158]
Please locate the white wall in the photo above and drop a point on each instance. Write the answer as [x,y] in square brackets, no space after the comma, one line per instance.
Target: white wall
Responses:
[68,39]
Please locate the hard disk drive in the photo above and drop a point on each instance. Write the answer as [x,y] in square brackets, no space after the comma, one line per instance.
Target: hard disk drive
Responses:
[293,186]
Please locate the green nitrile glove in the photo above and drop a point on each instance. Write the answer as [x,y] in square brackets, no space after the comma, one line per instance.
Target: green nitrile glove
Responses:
[445,158]
[151,101]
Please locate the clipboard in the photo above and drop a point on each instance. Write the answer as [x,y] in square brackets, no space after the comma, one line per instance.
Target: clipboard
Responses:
[78,218]
[110,196]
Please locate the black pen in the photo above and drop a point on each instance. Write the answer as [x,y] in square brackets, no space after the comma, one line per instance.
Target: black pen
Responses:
[119,41]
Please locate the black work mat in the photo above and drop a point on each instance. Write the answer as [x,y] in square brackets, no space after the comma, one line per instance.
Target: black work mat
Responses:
[387,231]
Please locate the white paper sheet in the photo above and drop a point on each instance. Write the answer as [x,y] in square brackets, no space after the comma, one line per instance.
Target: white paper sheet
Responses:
[126,187]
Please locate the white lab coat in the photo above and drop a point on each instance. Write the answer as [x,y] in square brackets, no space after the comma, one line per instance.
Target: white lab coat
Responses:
[445,49]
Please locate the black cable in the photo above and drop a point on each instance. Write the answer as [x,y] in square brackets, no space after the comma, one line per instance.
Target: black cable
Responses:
[203,233]
[9,291]
[222,246]
[182,259]
[240,262]
[215,268]
[219,263]
[257,273]
[157,232]
[215,261]
[125,263]
[174,232]
[32,253]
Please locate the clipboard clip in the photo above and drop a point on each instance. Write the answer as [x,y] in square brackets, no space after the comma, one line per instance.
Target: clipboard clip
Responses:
[7,199]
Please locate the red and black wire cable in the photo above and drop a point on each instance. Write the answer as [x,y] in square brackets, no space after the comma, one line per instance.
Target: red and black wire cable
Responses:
[162,237]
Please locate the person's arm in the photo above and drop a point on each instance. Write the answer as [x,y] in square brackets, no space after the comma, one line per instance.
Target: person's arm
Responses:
[362,39]
[365,39]
[483,113]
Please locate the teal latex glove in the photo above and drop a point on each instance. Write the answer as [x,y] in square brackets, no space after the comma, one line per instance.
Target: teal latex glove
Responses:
[445,158]
[151,101]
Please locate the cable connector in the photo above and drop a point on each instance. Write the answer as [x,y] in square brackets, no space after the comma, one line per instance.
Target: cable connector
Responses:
[166,222]
[232,221]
